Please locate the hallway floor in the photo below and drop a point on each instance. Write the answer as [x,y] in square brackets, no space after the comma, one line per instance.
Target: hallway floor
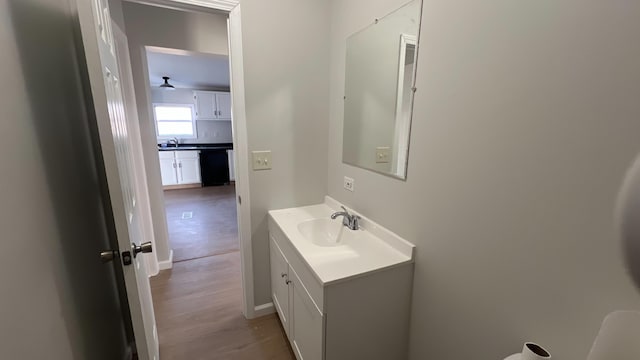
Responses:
[202,221]
[198,303]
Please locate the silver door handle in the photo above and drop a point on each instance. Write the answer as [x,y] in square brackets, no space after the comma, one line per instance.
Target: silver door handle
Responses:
[145,247]
[180,164]
[107,256]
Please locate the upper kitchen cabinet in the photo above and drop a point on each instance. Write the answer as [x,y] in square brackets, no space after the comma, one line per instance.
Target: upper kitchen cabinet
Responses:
[212,105]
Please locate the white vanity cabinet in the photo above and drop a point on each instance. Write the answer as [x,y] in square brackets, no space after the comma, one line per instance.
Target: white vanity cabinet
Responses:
[365,316]
[179,167]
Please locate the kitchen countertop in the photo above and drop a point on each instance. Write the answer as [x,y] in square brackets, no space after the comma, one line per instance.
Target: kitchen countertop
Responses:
[191,147]
[382,248]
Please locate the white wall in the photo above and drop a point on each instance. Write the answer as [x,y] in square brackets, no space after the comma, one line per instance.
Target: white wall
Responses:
[208,132]
[155,26]
[526,118]
[54,288]
[285,48]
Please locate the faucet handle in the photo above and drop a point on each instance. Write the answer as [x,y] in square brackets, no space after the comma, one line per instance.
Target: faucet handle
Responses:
[344,208]
[355,222]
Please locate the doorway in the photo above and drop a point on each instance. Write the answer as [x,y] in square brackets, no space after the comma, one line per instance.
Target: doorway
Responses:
[206,285]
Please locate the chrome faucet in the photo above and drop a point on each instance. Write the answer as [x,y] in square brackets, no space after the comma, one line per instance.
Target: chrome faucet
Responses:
[351,221]
[173,141]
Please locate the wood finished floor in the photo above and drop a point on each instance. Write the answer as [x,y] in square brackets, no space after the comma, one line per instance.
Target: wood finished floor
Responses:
[212,228]
[198,302]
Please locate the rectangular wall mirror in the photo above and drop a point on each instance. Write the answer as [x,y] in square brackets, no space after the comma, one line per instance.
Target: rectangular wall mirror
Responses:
[379,83]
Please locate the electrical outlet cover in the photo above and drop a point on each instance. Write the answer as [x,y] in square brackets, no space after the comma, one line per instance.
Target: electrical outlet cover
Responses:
[349,183]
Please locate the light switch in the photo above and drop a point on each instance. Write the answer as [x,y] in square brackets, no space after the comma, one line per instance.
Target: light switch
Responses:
[261,160]
[383,154]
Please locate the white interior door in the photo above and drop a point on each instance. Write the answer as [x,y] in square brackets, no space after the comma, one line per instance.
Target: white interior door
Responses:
[117,153]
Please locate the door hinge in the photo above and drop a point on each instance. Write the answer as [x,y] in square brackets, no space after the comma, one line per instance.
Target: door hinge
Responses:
[239,200]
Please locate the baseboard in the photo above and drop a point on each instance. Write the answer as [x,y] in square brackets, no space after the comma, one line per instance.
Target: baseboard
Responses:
[264,309]
[181,186]
[167,264]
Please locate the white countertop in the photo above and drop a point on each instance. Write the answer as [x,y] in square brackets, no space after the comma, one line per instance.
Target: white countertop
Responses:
[376,248]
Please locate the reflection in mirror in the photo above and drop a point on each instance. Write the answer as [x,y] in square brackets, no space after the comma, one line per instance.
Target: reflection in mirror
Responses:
[380,72]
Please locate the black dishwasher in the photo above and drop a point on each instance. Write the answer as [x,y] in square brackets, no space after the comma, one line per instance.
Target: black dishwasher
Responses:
[214,167]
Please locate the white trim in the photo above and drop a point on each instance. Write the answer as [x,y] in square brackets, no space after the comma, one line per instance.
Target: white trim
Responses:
[264,309]
[241,147]
[192,5]
[166,264]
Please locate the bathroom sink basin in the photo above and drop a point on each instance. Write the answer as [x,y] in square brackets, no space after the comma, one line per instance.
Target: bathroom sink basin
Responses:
[324,232]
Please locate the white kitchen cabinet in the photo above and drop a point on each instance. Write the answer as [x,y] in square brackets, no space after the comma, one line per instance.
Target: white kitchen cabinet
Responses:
[223,102]
[179,167]
[188,167]
[205,105]
[212,105]
[168,171]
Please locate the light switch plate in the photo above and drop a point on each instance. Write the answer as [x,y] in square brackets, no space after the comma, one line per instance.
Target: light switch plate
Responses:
[349,183]
[261,160]
[383,154]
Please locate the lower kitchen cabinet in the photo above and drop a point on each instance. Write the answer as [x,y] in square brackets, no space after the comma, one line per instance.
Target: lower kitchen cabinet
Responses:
[168,168]
[179,167]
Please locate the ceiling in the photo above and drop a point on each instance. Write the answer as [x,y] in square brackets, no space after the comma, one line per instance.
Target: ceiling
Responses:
[189,70]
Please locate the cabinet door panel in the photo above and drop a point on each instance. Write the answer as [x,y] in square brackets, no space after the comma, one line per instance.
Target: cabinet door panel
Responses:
[168,172]
[205,105]
[279,286]
[223,102]
[307,322]
[189,170]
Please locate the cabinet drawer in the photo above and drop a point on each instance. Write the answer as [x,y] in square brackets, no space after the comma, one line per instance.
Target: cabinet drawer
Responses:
[166,154]
[311,284]
[187,154]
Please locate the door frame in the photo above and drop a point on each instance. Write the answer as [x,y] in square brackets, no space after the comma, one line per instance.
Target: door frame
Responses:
[240,137]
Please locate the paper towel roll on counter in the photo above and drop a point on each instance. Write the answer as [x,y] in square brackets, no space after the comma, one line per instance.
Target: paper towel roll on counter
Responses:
[619,337]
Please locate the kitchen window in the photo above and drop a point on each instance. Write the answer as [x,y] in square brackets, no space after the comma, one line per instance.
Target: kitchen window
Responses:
[174,120]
